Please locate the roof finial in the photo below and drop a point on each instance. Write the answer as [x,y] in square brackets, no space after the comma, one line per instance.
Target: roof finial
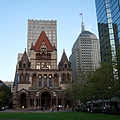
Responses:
[63,50]
[82,27]
[82,24]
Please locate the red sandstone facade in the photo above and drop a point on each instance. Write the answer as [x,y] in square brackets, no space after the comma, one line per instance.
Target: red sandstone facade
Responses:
[39,81]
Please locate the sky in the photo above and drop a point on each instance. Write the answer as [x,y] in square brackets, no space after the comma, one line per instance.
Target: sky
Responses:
[14,15]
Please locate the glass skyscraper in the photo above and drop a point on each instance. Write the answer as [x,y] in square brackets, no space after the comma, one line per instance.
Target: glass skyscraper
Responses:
[108,18]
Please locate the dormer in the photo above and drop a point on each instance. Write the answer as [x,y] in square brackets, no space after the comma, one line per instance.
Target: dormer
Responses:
[43,47]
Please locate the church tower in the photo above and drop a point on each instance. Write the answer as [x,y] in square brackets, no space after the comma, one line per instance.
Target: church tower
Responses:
[39,81]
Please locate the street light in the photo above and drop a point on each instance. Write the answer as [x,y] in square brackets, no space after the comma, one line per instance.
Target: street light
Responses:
[109,88]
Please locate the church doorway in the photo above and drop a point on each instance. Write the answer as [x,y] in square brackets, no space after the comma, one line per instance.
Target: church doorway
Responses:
[23,100]
[46,99]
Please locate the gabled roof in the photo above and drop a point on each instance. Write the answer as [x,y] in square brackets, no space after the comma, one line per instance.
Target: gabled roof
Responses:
[23,89]
[64,57]
[42,38]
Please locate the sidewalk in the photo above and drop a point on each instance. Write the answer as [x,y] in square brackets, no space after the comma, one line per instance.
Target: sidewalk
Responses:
[34,111]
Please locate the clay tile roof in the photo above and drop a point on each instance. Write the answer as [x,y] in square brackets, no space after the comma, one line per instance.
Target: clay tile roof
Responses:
[43,38]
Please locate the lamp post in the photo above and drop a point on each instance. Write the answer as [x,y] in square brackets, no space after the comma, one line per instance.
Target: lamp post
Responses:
[109,88]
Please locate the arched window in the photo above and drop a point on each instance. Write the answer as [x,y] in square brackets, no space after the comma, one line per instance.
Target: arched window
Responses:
[38,65]
[27,78]
[63,77]
[40,80]
[65,65]
[68,77]
[50,80]
[45,80]
[24,65]
[56,81]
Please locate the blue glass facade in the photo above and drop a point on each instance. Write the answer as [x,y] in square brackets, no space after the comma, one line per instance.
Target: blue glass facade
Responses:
[108,18]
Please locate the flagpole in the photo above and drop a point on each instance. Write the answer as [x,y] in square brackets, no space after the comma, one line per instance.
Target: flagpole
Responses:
[81,16]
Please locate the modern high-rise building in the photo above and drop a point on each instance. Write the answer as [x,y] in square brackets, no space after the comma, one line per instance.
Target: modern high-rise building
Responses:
[108,18]
[35,27]
[85,53]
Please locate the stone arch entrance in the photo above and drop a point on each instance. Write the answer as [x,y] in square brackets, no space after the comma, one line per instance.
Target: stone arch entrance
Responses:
[46,99]
[23,100]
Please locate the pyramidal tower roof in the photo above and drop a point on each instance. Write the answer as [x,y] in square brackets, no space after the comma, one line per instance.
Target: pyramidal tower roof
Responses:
[25,56]
[83,31]
[64,57]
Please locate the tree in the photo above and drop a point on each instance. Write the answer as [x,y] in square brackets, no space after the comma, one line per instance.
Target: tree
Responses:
[5,95]
[96,84]
[118,68]
[100,80]
[76,90]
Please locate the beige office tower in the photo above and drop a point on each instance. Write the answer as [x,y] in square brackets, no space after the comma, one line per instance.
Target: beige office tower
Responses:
[85,53]
[35,27]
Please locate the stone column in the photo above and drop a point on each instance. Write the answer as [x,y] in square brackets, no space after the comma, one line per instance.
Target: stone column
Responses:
[30,79]
[35,103]
[51,101]
[56,101]
[62,101]
[17,103]
[37,81]
[40,103]
[42,80]
[28,103]
[52,80]
[47,80]
[60,79]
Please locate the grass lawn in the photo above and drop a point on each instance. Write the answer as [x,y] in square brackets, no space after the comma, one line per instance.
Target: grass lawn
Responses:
[56,116]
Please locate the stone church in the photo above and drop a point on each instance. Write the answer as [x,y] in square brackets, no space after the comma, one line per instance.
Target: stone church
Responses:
[39,81]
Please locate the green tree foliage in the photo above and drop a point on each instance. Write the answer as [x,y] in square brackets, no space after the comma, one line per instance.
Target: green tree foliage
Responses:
[77,90]
[100,81]
[98,84]
[118,68]
[5,94]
